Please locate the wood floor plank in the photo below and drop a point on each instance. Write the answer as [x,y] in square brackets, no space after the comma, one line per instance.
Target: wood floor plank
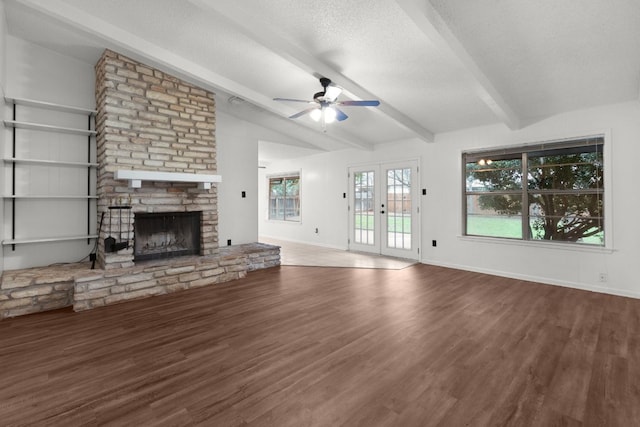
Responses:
[309,346]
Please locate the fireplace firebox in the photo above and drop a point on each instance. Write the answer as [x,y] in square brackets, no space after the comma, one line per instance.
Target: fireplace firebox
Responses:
[166,235]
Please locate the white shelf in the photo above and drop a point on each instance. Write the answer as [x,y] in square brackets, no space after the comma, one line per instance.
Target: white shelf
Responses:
[136,177]
[47,239]
[50,106]
[15,124]
[50,162]
[51,197]
[48,128]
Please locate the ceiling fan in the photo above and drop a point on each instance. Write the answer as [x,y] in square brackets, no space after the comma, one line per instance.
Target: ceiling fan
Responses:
[325,104]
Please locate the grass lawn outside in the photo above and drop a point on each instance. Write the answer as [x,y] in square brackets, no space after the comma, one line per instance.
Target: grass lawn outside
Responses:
[511,227]
[477,225]
[400,223]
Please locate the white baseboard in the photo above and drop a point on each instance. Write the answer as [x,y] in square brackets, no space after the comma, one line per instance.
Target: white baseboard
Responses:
[537,279]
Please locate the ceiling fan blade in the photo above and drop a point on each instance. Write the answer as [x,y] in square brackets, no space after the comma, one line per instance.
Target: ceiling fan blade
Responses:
[303,112]
[372,103]
[340,115]
[332,92]
[293,100]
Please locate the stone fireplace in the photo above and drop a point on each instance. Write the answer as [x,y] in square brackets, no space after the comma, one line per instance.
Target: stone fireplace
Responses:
[152,122]
[157,154]
[157,200]
[166,235]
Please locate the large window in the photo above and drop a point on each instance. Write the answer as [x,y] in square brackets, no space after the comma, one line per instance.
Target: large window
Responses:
[551,191]
[284,198]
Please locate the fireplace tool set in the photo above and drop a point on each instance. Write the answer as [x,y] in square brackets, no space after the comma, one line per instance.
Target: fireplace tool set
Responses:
[110,242]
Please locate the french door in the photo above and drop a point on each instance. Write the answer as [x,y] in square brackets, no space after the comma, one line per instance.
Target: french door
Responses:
[384,210]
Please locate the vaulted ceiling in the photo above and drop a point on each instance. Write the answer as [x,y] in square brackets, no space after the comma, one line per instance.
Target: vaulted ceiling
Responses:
[435,66]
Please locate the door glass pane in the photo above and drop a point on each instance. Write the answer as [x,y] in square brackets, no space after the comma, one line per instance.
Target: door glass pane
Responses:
[363,208]
[399,206]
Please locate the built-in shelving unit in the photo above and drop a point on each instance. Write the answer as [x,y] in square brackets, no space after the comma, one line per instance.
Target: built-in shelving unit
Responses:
[15,162]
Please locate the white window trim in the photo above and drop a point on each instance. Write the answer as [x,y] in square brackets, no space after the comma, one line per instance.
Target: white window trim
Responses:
[283,175]
[608,194]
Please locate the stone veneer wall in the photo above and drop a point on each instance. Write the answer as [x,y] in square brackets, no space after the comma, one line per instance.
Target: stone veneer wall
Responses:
[149,120]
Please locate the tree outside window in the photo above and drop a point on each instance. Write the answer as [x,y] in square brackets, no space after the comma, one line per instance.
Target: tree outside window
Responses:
[284,198]
[552,192]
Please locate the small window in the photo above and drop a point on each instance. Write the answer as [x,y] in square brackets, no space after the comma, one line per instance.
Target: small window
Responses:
[284,198]
[551,191]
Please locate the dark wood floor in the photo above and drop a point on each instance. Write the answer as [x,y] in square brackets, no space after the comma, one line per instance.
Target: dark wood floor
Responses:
[298,346]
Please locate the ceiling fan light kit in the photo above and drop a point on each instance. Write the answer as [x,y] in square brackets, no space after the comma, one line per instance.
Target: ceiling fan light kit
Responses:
[326,104]
[327,114]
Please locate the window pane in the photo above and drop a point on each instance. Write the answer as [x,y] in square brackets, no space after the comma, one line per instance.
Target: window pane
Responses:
[292,199]
[494,175]
[565,191]
[568,170]
[567,217]
[284,198]
[494,216]
[276,199]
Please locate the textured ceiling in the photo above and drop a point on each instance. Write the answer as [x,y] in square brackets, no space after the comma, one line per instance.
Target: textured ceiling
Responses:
[551,56]
[436,65]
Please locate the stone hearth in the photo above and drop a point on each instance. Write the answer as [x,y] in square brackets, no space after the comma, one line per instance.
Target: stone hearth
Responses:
[33,290]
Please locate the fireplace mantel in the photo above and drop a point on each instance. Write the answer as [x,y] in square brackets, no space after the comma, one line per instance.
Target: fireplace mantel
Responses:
[136,177]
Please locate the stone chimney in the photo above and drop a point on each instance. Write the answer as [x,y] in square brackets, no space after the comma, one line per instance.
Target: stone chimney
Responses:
[150,121]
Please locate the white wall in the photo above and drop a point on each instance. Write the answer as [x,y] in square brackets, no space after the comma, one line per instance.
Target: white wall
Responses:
[574,268]
[42,74]
[323,183]
[324,179]
[3,48]
[3,108]
[237,155]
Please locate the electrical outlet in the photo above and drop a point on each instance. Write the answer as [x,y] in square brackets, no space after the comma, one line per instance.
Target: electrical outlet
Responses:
[434,243]
[602,277]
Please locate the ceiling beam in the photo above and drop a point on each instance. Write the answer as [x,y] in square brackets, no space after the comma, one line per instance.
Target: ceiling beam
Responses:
[138,48]
[429,21]
[255,27]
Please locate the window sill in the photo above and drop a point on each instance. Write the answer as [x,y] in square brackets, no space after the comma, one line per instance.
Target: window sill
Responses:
[546,245]
[282,221]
